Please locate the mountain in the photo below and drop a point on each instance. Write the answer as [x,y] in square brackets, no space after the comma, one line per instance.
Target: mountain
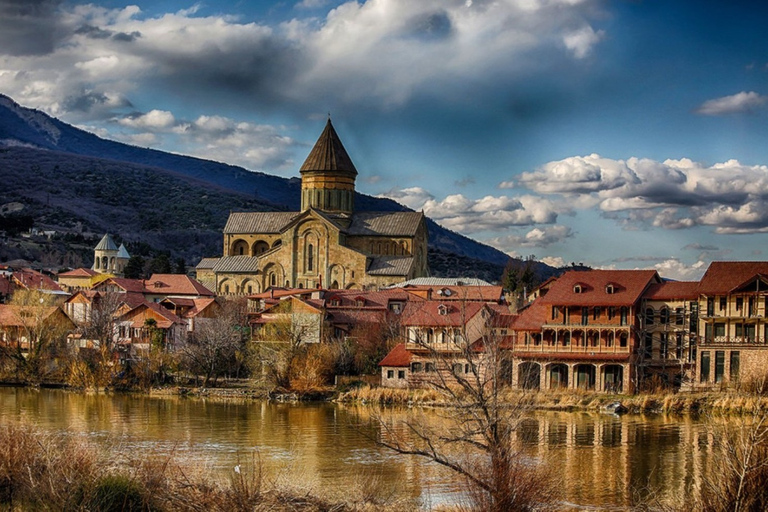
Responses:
[74,181]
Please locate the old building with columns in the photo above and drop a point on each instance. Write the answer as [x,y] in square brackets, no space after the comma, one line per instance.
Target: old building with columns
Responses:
[327,244]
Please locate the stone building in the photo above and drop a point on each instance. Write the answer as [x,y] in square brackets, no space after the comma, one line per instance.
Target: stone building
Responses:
[327,244]
[108,258]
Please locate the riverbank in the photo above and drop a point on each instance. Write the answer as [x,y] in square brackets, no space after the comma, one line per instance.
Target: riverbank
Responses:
[721,402]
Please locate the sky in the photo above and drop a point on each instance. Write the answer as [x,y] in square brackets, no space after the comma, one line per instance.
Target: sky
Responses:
[617,134]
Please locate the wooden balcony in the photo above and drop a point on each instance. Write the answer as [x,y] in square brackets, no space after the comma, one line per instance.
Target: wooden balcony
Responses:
[572,348]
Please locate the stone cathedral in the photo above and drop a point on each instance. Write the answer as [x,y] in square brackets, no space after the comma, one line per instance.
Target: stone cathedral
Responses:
[327,244]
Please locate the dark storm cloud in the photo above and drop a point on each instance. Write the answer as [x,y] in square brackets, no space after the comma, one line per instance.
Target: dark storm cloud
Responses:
[431,26]
[94,32]
[28,27]
[127,38]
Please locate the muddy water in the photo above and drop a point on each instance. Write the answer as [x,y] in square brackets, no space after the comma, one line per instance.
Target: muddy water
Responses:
[600,461]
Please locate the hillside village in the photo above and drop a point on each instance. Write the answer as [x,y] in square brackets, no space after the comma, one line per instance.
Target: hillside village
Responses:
[331,275]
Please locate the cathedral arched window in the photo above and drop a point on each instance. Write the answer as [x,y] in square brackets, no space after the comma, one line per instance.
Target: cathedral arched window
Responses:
[104,263]
[97,263]
[310,257]
[272,279]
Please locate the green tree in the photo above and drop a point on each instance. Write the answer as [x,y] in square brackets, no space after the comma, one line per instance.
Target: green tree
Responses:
[134,269]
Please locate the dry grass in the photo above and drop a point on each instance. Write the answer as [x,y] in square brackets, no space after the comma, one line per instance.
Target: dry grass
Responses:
[44,471]
[716,402]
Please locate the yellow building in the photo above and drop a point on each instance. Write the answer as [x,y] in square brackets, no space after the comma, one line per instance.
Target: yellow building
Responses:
[327,244]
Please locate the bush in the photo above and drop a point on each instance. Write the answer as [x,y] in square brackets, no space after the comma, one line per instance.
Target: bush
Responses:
[117,493]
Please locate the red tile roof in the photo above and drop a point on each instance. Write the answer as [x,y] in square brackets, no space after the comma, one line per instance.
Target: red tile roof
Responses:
[428,313]
[671,290]
[12,315]
[628,287]
[34,280]
[176,284]
[723,276]
[79,272]
[454,293]
[398,357]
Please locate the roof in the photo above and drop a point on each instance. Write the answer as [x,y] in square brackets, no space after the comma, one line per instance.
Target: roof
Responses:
[237,264]
[207,263]
[390,265]
[11,315]
[122,252]
[723,276]
[488,293]
[533,317]
[428,313]
[129,285]
[34,280]
[385,223]
[106,244]
[176,284]
[79,272]
[398,357]
[258,222]
[442,281]
[329,154]
[628,287]
[671,290]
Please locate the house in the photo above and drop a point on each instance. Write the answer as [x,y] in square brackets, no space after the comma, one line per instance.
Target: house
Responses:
[146,325]
[79,279]
[670,324]
[733,323]
[583,332]
[292,320]
[22,327]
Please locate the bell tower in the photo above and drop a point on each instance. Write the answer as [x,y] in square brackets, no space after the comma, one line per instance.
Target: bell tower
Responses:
[328,175]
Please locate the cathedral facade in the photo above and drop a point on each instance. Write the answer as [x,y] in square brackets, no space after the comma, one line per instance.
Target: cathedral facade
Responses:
[327,244]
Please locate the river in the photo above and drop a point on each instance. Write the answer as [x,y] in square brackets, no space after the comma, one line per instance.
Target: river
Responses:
[600,461]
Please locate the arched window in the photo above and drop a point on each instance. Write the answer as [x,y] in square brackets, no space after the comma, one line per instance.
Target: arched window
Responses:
[104,263]
[272,279]
[648,316]
[664,316]
[310,257]
[98,264]
[430,335]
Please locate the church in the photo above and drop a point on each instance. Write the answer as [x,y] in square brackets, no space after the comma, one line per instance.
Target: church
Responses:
[327,244]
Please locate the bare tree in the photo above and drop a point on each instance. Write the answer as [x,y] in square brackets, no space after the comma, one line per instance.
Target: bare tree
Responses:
[215,342]
[476,435]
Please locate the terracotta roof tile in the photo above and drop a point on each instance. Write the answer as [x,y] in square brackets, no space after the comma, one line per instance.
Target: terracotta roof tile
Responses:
[628,286]
[79,272]
[671,290]
[428,313]
[723,276]
[398,357]
[176,284]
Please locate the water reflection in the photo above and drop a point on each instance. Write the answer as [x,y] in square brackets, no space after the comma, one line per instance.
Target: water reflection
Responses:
[600,460]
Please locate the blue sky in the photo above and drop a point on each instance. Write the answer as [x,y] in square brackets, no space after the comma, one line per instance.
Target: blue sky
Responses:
[618,134]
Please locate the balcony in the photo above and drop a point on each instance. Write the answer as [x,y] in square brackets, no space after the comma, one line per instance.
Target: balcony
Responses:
[735,340]
[587,350]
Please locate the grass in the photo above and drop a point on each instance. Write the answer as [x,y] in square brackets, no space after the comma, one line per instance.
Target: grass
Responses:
[717,402]
[52,471]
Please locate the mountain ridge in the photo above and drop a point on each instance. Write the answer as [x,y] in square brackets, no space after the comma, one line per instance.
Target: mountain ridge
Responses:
[24,131]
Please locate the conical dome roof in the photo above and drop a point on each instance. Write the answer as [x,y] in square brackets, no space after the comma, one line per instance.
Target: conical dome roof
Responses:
[106,244]
[122,252]
[329,154]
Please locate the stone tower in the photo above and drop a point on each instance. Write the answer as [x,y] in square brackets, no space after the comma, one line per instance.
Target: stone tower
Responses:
[328,175]
[108,258]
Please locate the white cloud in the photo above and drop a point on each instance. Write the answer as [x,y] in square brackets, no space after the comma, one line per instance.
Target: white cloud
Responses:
[675,269]
[740,102]
[674,194]
[152,120]
[581,41]
[553,261]
[536,237]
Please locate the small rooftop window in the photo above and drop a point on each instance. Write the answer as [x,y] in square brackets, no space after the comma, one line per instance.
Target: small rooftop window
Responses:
[610,289]
[577,288]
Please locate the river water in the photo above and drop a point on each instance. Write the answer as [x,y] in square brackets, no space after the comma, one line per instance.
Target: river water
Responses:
[600,461]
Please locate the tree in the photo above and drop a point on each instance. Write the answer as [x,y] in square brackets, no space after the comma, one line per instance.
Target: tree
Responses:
[216,342]
[475,438]
[134,269]
[181,266]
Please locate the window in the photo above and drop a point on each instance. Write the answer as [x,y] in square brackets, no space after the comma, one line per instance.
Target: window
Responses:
[664,316]
[719,330]
[310,257]
[722,303]
[679,316]
[430,367]
[739,303]
[554,312]
[704,366]
[719,365]
[401,374]
[577,288]
[610,289]
[611,312]
[609,340]
[710,306]
[457,368]
[415,367]
[596,313]
[584,316]
[390,374]
[648,316]
[623,340]
[735,366]
[664,345]
[624,312]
